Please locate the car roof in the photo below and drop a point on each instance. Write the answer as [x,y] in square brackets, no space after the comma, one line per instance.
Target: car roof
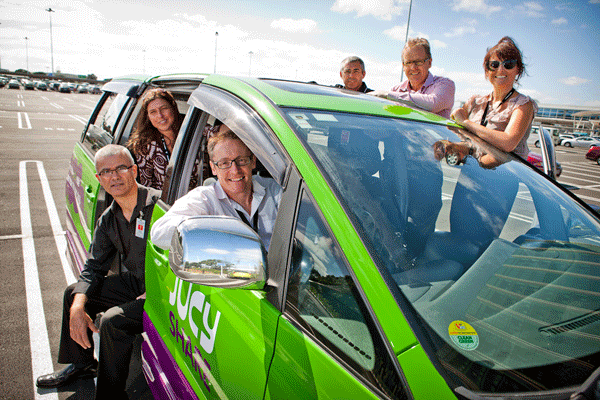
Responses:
[285,93]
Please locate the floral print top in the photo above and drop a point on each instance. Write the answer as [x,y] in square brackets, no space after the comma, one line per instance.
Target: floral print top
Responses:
[498,119]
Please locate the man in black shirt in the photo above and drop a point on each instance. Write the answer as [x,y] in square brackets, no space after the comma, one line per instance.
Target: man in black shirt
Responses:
[122,231]
[352,72]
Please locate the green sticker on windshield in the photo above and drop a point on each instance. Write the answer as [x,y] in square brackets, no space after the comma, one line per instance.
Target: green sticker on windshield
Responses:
[463,335]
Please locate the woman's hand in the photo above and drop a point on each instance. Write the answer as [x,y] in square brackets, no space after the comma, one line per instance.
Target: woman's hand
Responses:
[459,115]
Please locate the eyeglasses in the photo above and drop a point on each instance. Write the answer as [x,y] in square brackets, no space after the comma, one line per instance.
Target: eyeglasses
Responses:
[508,64]
[416,63]
[239,161]
[121,170]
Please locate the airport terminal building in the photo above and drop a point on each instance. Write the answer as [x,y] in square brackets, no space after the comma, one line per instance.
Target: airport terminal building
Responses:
[569,119]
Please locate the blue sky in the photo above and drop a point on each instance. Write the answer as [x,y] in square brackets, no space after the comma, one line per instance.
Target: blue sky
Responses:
[306,40]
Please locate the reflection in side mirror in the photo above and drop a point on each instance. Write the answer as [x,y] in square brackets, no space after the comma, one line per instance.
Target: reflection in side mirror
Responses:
[218,251]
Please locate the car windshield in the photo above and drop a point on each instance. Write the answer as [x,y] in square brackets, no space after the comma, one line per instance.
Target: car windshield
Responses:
[498,265]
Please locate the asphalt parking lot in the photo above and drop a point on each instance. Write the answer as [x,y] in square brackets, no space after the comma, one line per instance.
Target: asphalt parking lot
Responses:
[37,133]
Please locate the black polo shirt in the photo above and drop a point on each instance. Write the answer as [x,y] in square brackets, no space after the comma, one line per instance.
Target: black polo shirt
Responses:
[115,235]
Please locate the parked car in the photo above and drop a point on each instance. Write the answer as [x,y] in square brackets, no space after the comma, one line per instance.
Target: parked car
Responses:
[29,85]
[535,159]
[391,273]
[95,89]
[594,154]
[41,86]
[82,89]
[64,87]
[566,136]
[555,136]
[14,84]
[582,141]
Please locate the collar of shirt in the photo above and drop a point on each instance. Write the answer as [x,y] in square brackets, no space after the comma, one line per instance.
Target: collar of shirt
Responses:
[428,82]
[258,193]
[143,200]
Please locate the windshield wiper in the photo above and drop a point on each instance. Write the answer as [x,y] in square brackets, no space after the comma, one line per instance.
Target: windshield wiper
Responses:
[589,390]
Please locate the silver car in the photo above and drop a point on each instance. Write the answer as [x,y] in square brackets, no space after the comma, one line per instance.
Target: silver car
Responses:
[583,141]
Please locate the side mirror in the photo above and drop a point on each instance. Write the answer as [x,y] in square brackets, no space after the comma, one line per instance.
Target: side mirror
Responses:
[548,153]
[218,251]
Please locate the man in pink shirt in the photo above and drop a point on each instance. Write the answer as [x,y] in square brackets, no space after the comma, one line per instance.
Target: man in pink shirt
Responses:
[426,91]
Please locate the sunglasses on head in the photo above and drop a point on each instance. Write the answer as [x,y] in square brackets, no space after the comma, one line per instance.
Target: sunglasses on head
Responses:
[508,64]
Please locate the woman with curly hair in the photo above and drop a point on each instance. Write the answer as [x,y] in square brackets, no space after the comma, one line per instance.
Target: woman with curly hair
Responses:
[503,117]
[154,135]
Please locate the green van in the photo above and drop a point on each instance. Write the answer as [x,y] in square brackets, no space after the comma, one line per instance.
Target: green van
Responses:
[399,266]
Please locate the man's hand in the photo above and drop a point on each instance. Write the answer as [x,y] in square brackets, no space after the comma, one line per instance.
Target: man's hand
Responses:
[141,296]
[80,322]
[379,93]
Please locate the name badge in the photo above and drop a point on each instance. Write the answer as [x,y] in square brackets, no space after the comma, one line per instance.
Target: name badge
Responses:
[140,227]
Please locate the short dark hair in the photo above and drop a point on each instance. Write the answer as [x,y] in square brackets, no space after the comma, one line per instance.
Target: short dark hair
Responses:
[505,49]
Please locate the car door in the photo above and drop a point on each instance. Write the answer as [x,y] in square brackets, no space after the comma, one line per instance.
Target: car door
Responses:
[328,343]
[85,198]
[211,342]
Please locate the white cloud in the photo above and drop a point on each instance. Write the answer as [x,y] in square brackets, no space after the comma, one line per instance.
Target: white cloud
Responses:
[574,81]
[295,25]
[438,44]
[460,31]
[476,6]
[532,9]
[559,21]
[382,9]
[398,32]
[468,27]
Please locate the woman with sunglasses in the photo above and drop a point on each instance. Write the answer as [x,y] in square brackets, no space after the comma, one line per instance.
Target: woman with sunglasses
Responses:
[503,117]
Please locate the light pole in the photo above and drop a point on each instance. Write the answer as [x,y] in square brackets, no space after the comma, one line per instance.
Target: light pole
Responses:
[406,38]
[216,36]
[250,65]
[27,52]
[50,11]
[144,51]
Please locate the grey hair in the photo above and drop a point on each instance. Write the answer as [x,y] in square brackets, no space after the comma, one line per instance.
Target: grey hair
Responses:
[350,59]
[112,150]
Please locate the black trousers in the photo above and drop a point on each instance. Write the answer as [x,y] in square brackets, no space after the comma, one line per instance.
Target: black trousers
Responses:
[121,322]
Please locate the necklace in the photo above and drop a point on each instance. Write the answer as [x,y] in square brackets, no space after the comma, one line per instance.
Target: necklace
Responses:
[487,106]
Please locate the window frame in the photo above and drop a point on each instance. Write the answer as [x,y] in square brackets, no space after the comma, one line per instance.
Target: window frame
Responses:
[385,356]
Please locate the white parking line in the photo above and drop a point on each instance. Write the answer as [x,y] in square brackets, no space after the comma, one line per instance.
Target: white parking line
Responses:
[57,106]
[79,119]
[20,103]
[59,234]
[41,359]
[26,117]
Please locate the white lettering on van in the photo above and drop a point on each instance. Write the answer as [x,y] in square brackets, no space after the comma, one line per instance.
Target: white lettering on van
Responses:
[184,309]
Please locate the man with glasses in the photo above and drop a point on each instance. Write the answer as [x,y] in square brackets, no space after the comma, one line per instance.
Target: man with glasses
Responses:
[426,91]
[122,231]
[237,193]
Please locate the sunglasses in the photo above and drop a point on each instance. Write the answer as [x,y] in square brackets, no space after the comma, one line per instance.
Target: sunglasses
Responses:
[508,64]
